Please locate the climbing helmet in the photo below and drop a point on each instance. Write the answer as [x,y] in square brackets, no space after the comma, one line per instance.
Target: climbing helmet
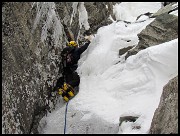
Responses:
[72,44]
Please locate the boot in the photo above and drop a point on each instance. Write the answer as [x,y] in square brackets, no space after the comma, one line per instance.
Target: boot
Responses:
[60,91]
[65,86]
[66,98]
[69,89]
[71,94]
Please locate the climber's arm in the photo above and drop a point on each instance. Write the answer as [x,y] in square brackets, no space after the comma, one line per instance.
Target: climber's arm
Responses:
[84,47]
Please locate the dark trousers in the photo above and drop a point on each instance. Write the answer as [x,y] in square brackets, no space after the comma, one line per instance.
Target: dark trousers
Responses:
[71,78]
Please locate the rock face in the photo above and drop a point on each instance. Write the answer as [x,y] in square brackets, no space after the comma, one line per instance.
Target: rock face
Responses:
[165,120]
[98,15]
[127,118]
[31,56]
[28,69]
[163,29]
[124,50]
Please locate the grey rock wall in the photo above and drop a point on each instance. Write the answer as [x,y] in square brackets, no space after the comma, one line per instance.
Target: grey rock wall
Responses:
[29,69]
[165,120]
[98,15]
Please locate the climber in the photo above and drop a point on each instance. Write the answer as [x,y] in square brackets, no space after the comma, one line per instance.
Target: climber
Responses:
[70,79]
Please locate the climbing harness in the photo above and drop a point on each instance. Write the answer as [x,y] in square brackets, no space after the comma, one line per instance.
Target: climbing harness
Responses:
[65,118]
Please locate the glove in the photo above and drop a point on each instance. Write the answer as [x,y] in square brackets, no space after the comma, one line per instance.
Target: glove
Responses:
[60,91]
[90,37]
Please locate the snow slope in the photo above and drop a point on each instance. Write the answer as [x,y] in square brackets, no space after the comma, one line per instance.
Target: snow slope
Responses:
[129,11]
[111,87]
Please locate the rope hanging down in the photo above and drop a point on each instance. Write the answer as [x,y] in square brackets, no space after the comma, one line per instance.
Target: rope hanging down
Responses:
[65,118]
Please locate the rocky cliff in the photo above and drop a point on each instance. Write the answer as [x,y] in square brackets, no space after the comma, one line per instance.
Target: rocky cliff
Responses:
[32,40]
[165,120]
[30,66]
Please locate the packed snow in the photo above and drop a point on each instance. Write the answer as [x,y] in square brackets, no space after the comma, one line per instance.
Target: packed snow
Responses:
[111,87]
[129,11]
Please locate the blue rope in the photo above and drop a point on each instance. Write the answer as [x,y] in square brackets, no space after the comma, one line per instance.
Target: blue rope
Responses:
[65,118]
